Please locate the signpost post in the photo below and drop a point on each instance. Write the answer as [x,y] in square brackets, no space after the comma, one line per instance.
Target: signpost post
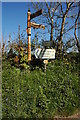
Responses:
[45,63]
[29,35]
[32,24]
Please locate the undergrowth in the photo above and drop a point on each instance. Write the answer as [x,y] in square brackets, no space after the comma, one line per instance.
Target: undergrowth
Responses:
[36,94]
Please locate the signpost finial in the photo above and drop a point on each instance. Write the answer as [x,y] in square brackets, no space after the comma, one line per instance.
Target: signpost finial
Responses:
[29,10]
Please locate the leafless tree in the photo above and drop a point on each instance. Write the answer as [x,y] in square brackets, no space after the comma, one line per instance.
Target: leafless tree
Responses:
[57,19]
[63,23]
[76,22]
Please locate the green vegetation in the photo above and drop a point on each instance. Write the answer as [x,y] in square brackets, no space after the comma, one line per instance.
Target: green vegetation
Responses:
[30,94]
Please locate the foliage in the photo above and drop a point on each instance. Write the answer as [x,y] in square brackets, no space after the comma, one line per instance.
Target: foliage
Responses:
[37,94]
[18,56]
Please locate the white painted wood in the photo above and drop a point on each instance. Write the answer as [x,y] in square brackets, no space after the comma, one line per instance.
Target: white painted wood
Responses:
[45,53]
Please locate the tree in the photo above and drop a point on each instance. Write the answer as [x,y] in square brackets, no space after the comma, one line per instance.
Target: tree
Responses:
[47,13]
[76,22]
[57,15]
[63,23]
[51,18]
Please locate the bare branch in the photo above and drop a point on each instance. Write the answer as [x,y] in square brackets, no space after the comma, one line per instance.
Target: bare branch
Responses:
[48,9]
[56,8]
[75,32]
[61,8]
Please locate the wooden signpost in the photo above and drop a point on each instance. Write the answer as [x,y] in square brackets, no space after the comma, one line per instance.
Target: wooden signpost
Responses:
[37,25]
[44,54]
[32,24]
[29,35]
[39,12]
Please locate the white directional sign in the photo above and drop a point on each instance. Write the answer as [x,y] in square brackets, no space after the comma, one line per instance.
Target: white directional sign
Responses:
[45,53]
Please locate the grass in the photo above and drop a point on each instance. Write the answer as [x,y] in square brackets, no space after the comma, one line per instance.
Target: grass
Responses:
[30,94]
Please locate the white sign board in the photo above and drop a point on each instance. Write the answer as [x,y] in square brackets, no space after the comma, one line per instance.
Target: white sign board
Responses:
[45,53]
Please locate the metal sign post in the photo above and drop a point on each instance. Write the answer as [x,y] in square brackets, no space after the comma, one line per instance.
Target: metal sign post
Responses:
[29,25]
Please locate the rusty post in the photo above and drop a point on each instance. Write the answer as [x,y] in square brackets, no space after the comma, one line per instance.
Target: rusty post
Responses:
[29,35]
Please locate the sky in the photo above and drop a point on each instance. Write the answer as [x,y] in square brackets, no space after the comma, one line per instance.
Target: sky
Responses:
[15,14]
